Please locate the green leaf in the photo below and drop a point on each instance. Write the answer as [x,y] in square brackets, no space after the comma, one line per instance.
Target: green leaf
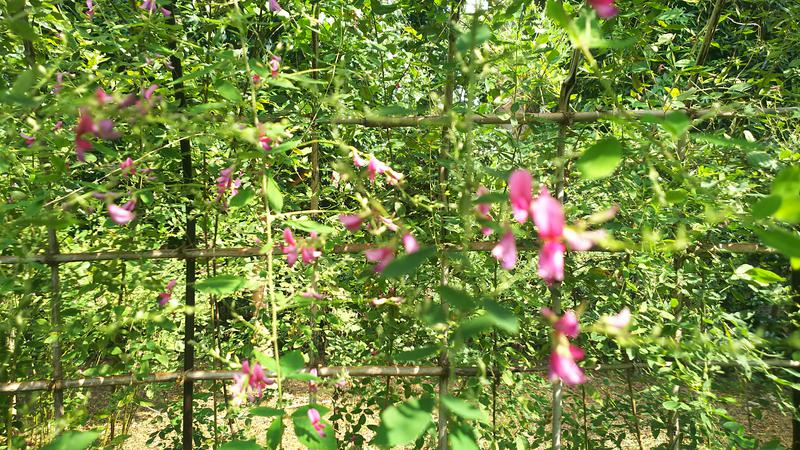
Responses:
[493,197]
[242,198]
[240,445]
[229,92]
[676,123]
[601,159]
[457,298]
[677,196]
[787,187]
[72,440]
[464,409]
[417,354]
[305,431]
[266,411]
[309,226]
[473,39]
[765,207]
[555,11]
[405,422]
[473,327]
[670,405]
[292,362]
[463,438]
[501,317]
[760,276]
[781,240]
[275,433]
[274,195]
[221,284]
[408,264]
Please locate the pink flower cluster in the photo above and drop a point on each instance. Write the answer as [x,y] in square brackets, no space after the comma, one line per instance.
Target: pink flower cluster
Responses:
[275,61]
[166,296]
[150,6]
[316,422]
[383,255]
[121,215]
[249,383]
[604,8]
[226,182]
[564,355]
[483,210]
[86,125]
[548,216]
[293,251]
[377,167]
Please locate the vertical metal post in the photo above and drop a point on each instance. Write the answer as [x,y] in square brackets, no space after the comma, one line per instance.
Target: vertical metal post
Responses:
[317,357]
[55,322]
[190,241]
[449,87]
[555,291]
[795,392]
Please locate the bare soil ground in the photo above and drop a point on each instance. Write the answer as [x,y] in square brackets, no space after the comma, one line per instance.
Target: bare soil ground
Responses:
[770,424]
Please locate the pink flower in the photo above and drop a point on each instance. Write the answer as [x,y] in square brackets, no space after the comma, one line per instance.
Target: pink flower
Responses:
[121,215]
[266,142]
[166,13]
[358,161]
[506,251]
[249,382]
[149,6]
[59,82]
[383,300]
[308,252]
[290,249]
[102,97]
[618,322]
[275,63]
[90,9]
[316,422]
[164,297]
[147,93]
[604,8]
[410,244]
[58,125]
[382,256]
[105,130]
[312,385]
[127,168]
[484,210]
[311,294]
[29,140]
[375,167]
[128,101]
[584,240]
[226,182]
[274,6]
[564,367]
[548,216]
[389,224]
[85,125]
[256,79]
[564,354]
[568,325]
[551,262]
[520,192]
[352,222]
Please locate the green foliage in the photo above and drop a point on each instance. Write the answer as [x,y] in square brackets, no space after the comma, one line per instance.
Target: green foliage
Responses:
[73,440]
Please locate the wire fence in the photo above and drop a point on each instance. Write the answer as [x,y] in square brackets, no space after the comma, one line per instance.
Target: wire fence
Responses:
[190,254]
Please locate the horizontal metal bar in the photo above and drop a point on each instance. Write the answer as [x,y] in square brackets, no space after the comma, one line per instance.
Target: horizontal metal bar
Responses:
[325,372]
[375,121]
[340,249]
